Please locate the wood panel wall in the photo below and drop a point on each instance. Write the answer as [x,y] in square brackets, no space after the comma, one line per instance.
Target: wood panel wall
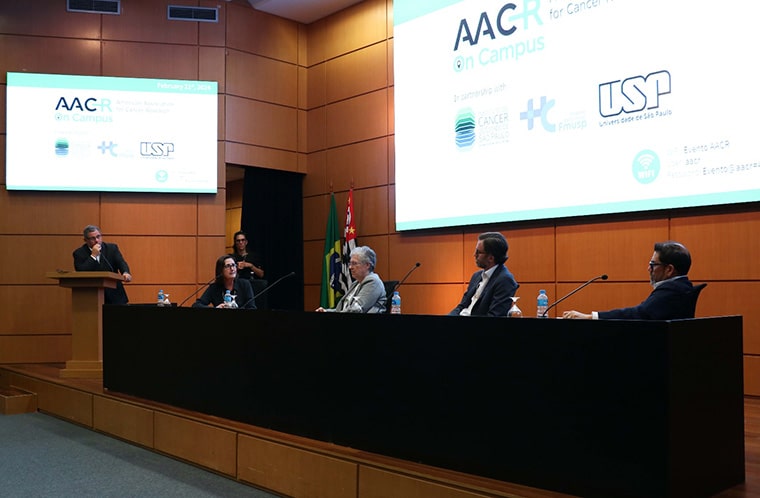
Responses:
[349,100]
[314,99]
[170,240]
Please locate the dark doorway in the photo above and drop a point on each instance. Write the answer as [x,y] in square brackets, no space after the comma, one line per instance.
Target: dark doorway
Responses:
[272,216]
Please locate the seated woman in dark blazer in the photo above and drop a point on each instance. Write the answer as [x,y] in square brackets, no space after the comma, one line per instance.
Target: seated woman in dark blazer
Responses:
[227,279]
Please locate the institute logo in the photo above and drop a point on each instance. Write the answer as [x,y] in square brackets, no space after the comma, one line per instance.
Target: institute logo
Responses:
[646,166]
[464,129]
[532,113]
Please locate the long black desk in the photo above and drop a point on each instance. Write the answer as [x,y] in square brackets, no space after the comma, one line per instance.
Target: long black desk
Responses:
[593,408]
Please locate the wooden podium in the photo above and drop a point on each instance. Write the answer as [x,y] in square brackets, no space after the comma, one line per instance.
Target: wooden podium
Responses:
[87,299]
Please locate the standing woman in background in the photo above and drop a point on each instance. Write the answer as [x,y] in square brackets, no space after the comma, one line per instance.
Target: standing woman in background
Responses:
[250,268]
[249,265]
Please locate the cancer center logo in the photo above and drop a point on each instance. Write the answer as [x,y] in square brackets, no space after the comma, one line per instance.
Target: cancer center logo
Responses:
[61,147]
[464,129]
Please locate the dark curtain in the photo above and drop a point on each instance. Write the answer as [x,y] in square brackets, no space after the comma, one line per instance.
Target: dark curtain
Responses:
[273,219]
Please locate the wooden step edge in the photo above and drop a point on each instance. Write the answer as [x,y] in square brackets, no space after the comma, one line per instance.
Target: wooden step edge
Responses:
[14,401]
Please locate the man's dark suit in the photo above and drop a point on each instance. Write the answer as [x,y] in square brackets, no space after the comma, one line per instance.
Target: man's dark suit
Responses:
[672,299]
[495,299]
[110,260]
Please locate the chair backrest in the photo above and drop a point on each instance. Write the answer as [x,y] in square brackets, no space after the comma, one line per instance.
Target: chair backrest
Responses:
[695,296]
[389,286]
[262,301]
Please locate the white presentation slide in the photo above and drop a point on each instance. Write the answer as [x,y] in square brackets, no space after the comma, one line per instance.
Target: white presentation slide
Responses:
[87,133]
[539,109]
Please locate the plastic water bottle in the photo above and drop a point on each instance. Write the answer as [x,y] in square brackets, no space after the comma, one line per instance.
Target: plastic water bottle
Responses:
[396,303]
[542,303]
[160,297]
[227,299]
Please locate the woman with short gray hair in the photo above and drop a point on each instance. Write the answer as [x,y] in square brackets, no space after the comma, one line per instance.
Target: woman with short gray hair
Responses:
[367,293]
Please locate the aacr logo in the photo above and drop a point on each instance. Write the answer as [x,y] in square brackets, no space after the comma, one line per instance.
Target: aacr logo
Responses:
[503,24]
[90,104]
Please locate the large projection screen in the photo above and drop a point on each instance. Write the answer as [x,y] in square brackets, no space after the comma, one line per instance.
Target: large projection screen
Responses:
[542,109]
[95,133]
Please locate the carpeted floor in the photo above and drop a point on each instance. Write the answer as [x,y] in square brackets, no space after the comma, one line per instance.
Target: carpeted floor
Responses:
[43,456]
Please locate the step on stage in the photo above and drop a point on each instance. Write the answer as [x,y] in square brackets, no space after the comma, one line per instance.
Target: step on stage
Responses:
[306,467]
[266,459]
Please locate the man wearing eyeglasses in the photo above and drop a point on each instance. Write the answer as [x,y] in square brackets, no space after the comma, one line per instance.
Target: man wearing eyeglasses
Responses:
[491,288]
[673,296]
[96,255]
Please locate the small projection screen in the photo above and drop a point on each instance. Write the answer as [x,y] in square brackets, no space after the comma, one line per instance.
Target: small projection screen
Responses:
[539,109]
[91,133]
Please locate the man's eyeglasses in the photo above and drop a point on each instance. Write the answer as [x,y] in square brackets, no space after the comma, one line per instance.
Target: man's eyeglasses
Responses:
[652,264]
[229,266]
[354,263]
[94,237]
[479,252]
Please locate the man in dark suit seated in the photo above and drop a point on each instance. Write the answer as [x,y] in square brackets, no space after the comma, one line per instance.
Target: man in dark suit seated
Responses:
[491,289]
[673,296]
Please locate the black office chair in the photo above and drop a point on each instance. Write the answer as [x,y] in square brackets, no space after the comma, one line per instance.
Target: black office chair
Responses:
[695,296]
[390,285]
[262,301]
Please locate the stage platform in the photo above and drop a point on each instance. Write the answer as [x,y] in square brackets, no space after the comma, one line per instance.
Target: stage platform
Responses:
[278,462]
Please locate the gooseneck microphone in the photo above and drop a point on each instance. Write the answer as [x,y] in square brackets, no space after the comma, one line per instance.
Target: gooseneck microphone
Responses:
[199,289]
[266,289]
[416,265]
[103,255]
[555,303]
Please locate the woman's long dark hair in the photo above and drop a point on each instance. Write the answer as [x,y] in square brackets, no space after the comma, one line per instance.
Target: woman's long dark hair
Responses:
[219,269]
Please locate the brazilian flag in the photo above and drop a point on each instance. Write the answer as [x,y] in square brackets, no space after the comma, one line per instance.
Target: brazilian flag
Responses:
[331,264]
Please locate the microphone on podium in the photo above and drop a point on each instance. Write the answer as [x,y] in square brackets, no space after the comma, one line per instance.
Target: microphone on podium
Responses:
[416,265]
[555,303]
[103,255]
[198,290]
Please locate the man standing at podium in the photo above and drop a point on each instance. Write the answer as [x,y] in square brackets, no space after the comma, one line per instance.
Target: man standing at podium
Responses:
[96,255]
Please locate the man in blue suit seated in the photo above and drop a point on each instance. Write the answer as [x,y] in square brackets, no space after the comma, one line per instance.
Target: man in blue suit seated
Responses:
[491,289]
[673,296]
